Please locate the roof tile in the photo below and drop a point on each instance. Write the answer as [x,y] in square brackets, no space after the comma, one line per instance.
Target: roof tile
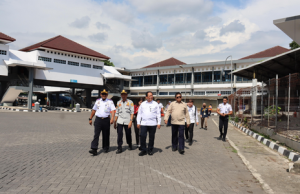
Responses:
[271,52]
[6,37]
[168,62]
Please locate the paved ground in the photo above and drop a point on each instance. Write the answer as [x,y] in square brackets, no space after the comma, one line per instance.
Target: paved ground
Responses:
[48,153]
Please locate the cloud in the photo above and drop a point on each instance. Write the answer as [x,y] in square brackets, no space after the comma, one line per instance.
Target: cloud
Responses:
[102,26]
[200,34]
[235,26]
[119,11]
[81,23]
[99,37]
[145,40]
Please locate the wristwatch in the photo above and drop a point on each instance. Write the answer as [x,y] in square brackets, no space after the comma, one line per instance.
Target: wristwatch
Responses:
[90,119]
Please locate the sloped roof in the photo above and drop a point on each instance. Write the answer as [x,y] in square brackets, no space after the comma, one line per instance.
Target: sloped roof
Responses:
[168,62]
[6,37]
[271,52]
[64,44]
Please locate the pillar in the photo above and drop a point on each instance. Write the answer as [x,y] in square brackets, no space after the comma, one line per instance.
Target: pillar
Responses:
[213,76]
[158,80]
[2,89]
[192,82]
[254,96]
[72,101]
[56,99]
[88,98]
[30,90]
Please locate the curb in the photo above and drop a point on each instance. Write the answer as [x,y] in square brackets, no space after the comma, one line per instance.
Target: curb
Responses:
[21,110]
[69,110]
[290,155]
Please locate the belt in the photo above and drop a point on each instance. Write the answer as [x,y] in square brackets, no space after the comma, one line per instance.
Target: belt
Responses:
[103,117]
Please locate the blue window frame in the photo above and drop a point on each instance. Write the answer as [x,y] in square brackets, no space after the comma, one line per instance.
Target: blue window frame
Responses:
[137,83]
[163,79]
[217,76]
[163,93]
[171,79]
[189,78]
[227,77]
[179,78]
[197,77]
[148,80]
[207,76]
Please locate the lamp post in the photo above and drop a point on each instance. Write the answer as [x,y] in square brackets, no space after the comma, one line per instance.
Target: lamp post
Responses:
[184,84]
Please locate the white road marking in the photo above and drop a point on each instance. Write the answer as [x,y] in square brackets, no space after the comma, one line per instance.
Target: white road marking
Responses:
[265,186]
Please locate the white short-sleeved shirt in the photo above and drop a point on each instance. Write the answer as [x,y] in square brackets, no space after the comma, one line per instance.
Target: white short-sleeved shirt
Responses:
[225,108]
[193,118]
[103,108]
[160,105]
[149,114]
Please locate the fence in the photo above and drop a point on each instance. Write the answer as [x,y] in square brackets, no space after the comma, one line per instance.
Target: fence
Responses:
[275,104]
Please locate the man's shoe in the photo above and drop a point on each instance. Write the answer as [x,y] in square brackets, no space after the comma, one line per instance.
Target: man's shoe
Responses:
[119,151]
[181,151]
[140,148]
[142,153]
[190,143]
[224,139]
[130,147]
[93,151]
[205,128]
[220,137]
[174,149]
[150,152]
[187,140]
[106,150]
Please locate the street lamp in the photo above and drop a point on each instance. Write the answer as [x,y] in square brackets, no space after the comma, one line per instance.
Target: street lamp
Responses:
[223,72]
[184,84]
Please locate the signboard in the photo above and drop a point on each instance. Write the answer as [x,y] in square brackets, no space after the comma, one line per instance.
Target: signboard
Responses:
[219,94]
[73,80]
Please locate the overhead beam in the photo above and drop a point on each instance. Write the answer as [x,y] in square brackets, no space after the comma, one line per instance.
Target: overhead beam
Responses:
[294,58]
[270,70]
[285,66]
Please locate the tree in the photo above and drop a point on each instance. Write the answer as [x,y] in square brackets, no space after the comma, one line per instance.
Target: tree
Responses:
[108,63]
[294,45]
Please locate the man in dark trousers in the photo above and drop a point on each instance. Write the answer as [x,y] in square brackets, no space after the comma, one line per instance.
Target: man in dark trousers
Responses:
[124,117]
[204,114]
[224,109]
[102,109]
[179,115]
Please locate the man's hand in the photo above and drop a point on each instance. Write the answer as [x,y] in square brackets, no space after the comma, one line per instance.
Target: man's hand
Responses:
[187,125]
[138,126]
[130,124]
[90,122]
[111,121]
[201,116]
[115,125]
[197,123]
[158,126]
[166,122]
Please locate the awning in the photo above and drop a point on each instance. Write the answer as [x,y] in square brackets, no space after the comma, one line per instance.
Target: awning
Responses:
[13,63]
[283,65]
[290,26]
[118,76]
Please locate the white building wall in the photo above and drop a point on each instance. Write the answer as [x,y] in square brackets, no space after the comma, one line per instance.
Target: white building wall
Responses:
[3,66]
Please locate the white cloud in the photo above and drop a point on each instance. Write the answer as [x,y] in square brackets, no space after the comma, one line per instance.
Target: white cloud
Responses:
[99,37]
[102,26]
[81,23]
[235,26]
[145,40]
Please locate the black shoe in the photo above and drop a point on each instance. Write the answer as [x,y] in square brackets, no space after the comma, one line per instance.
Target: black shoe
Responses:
[205,128]
[224,139]
[119,151]
[187,140]
[140,148]
[181,151]
[220,137]
[190,143]
[93,151]
[142,153]
[150,152]
[130,147]
[174,149]
[106,150]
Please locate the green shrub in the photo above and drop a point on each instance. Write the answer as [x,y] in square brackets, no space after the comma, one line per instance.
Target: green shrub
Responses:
[236,119]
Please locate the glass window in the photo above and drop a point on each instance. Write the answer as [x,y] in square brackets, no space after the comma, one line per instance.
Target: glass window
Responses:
[238,78]
[86,65]
[134,93]
[189,78]
[171,79]
[60,61]
[207,76]
[246,79]
[227,76]
[126,83]
[163,79]
[225,92]
[97,67]
[139,81]
[179,78]
[199,93]
[44,59]
[73,63]
[163,93]
[2,52]
[172,93]
[148,80]
[197,77]
[217,76]
[154,79]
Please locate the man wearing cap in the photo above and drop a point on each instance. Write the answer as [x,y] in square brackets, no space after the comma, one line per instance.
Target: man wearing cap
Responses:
[102,109]
[124,117]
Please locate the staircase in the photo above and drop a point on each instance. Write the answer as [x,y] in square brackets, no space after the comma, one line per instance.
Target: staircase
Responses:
[78,100]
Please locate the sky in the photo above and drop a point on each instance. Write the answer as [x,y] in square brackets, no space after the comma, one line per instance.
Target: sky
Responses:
[136,33]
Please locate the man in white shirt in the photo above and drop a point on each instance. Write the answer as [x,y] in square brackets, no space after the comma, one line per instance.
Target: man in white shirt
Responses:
[102,109]
[224,109]
[148,118]
[189,131]
[161,106]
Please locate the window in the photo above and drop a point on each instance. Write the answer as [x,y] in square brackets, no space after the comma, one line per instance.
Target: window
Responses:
[163,79]
[246,79]
[239,79]
[2,52]
[197,77]
[137,83]
[163,93]
[97,67]
[172,93]
[189,78]
[154,93]
[179,78]
[202,93]
[217,76]
[207,76]
[225,92]
[150,80]
[212,92]
[134,93]
[44,59]
[59,61]
[126,83]
[73,63]
[86,65]
[171,79]
[227,76]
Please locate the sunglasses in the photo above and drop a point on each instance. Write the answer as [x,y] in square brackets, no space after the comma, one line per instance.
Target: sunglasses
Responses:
[178,97]
[104,94]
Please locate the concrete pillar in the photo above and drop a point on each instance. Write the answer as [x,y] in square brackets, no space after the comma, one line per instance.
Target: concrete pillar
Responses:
[56,99]
[72,101]
[212,71]
[254,97]
[192,82]
[158,80]
[2,89]
[30,92]
[234,78]
[88,98]
[174,77]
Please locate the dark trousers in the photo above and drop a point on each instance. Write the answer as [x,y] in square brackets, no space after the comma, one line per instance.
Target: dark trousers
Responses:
[104,126]
[152,131]
[169,121]
[137,131]
[176,137]
[223,121]
[189,132]
[120,135]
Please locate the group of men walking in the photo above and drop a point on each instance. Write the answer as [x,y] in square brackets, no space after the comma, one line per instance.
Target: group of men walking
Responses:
[146,118]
